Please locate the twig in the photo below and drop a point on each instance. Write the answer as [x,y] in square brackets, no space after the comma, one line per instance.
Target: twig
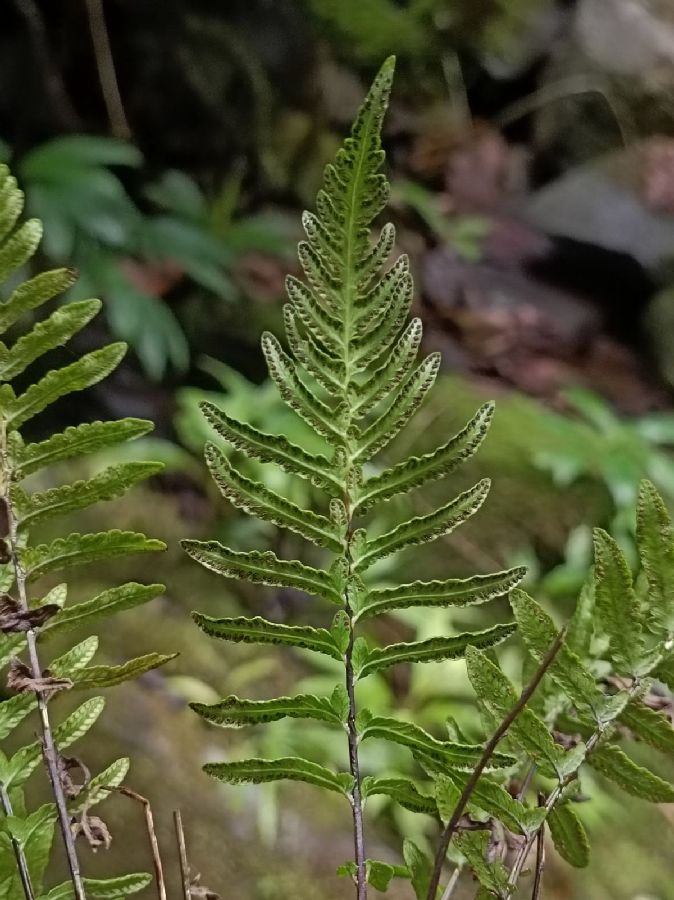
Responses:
[182,854]
[21,862]
[540,863]
[149,823]
[105,64]
[490,746]
[452,883]
[51,754]
[554,796]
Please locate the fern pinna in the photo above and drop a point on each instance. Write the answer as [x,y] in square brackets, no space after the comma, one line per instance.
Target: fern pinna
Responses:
[26,623]
[352,377]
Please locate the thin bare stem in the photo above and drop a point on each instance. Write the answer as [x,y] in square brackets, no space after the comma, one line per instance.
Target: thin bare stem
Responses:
[21,862]
[528,778]
[152,835]
[452,883]
[489,749]
[357,803]
[105,64]
[50,752]
[551,802]
[540,863]
[182,854]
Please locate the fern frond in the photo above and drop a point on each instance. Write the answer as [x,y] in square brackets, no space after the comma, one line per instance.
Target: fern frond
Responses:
[262,568]
[270,448]
[46,335]
[112,483]
[255,498]
[81,549]
[424,528]
[260,631]
[433,649]
[290,768]
[233,712]
[420,470]
[452,592]
[87,371]
[76,441]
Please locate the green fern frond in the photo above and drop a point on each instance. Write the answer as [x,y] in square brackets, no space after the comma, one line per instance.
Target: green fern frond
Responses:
[21,510]
[350,372]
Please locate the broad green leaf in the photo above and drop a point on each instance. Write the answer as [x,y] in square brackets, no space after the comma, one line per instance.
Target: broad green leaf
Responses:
[424,528]
[419,470]
[568,835]
[260,631]
[114,600]
[46,335]
[462,757]
[665,671]
[79,549]
[616,603]
[402,791]
[453,592]
[270,448]
[539,633]
[33,293]
[407,401]
[234,712]
[434,649]
[655,541]
[258,500]
[420,869]
[108,485]
[95,677]
[528,731]
[262,568]
[85,372]
[291,768]
[76,441]
[474,845]
[615,765]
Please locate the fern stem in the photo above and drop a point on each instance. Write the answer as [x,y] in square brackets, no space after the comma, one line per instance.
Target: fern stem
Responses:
[552,800]
[50,752]
[21,862]
[358,831]
[489,749]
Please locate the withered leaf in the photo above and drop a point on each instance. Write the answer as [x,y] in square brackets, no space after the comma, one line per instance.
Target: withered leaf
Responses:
[201,892]
[68,764]
[14,618]
[20,678]
[94,830]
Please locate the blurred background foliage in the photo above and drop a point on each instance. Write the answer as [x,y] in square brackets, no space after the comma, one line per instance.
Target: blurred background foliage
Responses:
[169,150]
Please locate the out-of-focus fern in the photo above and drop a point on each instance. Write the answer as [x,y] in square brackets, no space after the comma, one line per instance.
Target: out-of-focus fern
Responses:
[27,617]
[353,378]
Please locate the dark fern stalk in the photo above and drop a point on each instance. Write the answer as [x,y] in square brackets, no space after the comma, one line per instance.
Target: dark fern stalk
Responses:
[352,377]
[26,837]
